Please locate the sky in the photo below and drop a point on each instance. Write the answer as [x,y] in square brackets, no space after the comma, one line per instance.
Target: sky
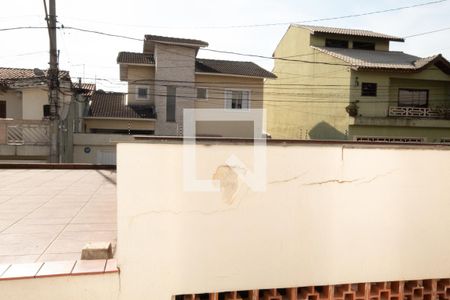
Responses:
[93,57]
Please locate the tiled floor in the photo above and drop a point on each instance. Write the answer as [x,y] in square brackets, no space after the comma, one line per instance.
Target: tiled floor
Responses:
[49,215]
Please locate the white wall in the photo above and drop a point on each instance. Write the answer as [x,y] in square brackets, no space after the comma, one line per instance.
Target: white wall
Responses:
[85,287]
[33,101]
[97,148]
[330,215]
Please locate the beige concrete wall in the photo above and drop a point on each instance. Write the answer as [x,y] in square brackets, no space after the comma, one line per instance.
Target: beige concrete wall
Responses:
[141,76]
[308,100]
[13,104]
[331,214]
[33,100]
[87,287]
[119,124]
[230,129]
[96,143]
[217,85]
[370,106]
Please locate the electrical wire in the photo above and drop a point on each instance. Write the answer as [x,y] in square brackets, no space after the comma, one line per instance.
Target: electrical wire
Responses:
[355,15]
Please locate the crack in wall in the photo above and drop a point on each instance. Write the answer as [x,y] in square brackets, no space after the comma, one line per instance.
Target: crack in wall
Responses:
[287,179]
[332,181]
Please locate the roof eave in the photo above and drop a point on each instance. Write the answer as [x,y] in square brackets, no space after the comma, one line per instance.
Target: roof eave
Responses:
[234,75]
[119,119]
[136,64]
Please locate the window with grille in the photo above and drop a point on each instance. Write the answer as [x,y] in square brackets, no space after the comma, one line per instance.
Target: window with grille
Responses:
[369,89]
[142,93]
[413,98]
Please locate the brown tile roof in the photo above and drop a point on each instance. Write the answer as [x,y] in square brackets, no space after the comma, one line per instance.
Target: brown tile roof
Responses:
[86,89]
[114,105]
[391,60]
[240,68]
[352,32]
[135,58]
[172,40]
[17,74]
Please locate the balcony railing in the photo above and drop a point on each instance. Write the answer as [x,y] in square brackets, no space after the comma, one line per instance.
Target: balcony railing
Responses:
[419,112]
[20,132]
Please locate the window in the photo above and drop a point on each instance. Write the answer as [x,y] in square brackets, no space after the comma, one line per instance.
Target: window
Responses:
[3,109]
[235,99]
[412,98]
[369,89]
[202,93]
[363,45]
[336,43]
[171,104]
[142,93]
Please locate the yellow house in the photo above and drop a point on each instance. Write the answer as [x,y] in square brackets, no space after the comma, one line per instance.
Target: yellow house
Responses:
[167,78]
[343,84]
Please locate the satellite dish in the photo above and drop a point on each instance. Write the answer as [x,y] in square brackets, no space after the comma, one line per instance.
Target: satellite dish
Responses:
[38,72]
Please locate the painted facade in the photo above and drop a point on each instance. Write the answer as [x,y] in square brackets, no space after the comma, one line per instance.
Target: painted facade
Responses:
[168,70]
[323,90]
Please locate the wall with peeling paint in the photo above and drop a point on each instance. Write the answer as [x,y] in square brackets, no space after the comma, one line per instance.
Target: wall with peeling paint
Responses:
[330,214]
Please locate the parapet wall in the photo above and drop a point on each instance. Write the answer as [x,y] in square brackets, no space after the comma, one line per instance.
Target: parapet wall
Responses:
[329,215]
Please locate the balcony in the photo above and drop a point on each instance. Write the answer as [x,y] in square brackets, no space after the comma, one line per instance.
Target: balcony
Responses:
[419,112]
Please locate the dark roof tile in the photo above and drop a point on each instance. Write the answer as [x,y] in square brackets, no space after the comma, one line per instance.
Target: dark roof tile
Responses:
[240,68]
[86,89]
[113,105]
[173,40]
[135,58]
[226,67]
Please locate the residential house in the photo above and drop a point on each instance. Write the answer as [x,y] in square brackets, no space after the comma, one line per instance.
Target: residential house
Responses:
[342,84]
[110,112]
[110,119]
[169,77]
[24,126]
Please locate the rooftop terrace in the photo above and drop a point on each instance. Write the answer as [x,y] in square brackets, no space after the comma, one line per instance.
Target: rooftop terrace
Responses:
[50,215]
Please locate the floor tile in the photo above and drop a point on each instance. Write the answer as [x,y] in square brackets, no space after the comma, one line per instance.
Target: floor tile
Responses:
[56,268]
[19,271]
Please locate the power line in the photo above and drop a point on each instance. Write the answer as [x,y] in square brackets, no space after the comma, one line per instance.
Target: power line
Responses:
[102,33]
[23,28]
[428,32]
[279,23]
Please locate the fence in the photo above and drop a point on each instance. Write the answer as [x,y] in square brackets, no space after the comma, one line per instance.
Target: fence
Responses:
[20,132]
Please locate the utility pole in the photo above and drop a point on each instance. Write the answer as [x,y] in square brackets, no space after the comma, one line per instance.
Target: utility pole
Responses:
[53,84]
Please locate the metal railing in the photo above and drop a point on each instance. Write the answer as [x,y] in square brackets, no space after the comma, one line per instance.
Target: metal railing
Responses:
[419,112]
